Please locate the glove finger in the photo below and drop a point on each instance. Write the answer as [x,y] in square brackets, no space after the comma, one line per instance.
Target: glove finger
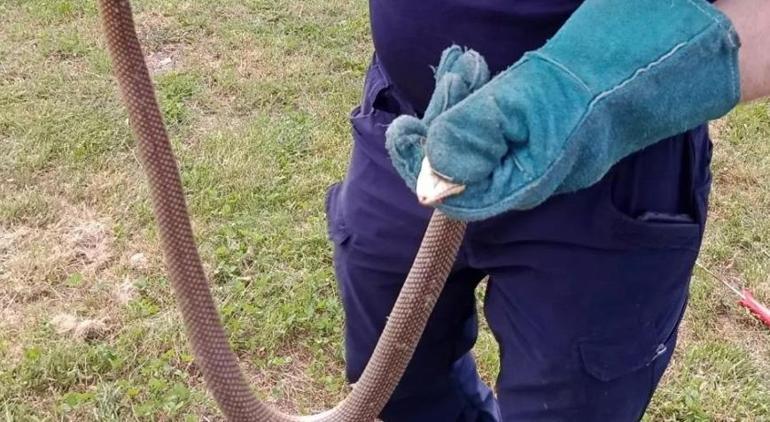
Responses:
[404,141]
[459,74]
[473,69]
[468,64]
[450,90]
[448,58]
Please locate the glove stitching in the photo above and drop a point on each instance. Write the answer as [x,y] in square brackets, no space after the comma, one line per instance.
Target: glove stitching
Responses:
[476,80]
[710,13]
[563,68]
[637,74]
[517,163]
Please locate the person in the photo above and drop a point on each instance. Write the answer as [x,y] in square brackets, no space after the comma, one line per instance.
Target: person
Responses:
[585,164]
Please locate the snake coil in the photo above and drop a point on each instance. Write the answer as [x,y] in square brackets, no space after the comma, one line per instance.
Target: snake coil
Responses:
[206,334]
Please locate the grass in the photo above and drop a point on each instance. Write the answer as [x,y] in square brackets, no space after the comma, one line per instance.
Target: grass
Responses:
[256,95]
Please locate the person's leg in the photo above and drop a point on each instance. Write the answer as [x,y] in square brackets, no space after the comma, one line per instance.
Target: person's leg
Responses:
[587,291]
[376,225]
[441,382]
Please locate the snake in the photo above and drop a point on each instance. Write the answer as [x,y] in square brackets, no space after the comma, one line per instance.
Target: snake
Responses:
[205,333]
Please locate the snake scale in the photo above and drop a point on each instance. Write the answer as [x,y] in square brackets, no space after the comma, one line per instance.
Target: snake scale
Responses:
[205,332]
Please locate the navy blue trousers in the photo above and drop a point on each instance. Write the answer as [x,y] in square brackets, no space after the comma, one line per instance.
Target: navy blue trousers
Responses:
[585,292]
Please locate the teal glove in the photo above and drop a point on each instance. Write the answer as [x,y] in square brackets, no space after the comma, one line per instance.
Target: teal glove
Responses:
[459,73]
[619,76]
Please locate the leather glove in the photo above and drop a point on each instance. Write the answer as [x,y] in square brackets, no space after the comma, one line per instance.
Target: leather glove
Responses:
[619,76]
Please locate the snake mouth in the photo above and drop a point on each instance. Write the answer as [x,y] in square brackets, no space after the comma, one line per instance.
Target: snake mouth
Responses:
[432,188]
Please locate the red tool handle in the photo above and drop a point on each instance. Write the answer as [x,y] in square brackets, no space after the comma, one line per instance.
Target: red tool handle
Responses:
[757,309]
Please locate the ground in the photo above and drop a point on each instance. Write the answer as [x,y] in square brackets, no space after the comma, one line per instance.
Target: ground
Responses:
[256,95]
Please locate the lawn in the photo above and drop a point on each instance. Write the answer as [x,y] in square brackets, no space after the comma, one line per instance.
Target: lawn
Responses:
[256,95]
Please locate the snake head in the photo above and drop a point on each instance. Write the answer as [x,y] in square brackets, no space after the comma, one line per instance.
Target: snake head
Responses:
[432,188]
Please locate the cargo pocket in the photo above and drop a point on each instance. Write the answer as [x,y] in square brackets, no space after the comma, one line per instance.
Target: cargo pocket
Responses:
[652,229]
[621,373]
[335,221]
[654,198]
[610,360]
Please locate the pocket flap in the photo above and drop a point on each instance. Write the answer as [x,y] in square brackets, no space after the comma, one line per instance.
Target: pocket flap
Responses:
[607,361]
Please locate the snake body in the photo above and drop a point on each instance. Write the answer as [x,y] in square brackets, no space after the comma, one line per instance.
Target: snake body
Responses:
[205,332]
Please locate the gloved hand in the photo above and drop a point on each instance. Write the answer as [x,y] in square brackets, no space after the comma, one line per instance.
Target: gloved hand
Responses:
[619,76]
[459,73]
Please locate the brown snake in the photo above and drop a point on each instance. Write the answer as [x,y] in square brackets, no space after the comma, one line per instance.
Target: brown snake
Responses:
[212,352]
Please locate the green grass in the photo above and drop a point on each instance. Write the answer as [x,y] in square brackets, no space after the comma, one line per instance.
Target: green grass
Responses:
[256,95]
